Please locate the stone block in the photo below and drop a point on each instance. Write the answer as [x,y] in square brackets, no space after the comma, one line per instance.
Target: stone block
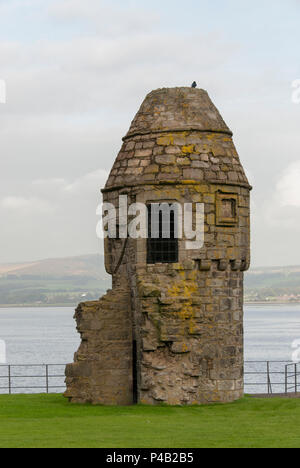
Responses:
[143,153]
[193,174]
[165,159]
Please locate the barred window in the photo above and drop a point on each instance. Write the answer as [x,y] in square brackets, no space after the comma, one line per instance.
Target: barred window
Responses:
[162,239]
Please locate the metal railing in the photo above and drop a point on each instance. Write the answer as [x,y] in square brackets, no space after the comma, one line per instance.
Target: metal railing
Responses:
[260,377]
[33,378]
[291,378]
[271,377]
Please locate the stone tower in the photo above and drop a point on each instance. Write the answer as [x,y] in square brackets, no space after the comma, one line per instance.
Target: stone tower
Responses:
[171,329]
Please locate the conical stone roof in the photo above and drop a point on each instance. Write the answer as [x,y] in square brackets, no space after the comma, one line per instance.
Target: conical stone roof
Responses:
[177,136]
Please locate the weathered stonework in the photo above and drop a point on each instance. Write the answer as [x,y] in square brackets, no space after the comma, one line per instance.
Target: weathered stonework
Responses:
[171,333]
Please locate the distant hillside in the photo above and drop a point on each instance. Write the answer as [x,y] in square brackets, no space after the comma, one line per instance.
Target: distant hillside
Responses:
[86,265]
[67,281]
[62,281]
[276,284]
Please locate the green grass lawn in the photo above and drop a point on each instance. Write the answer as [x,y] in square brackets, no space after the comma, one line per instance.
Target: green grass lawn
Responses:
[37,421]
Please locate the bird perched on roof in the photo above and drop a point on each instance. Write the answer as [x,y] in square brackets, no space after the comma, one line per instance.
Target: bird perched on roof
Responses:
[194,85]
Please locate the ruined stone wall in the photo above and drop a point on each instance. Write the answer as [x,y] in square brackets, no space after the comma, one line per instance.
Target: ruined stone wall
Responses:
[102,368]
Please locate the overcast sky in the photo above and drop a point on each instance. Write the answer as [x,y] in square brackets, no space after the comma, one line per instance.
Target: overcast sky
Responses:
[76,73]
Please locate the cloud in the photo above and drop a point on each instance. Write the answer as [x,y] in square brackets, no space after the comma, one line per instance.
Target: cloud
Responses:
[25,206]
[94,74]
[281,210]
[56,215]
[60,187]
[108,19]
[49,182]
[87,183]
[288,187]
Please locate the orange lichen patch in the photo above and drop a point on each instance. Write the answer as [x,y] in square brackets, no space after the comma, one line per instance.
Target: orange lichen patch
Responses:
[189,182]
[185,289]
[165,140]
[188,149]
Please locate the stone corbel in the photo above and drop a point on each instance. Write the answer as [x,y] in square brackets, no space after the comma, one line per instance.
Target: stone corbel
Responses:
[222,265]
[236,265]
[204,265]
[245,264]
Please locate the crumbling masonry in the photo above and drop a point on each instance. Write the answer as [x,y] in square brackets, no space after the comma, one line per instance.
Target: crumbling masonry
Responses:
[171,331]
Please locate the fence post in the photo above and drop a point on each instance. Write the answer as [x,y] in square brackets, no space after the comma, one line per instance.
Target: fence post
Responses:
[268,376]
[286,379]
[9,379]
[295,378]
[47,378]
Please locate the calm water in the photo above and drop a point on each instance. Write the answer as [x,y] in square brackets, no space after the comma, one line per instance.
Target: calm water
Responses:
[39,335]
[48,335]
[270,331]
